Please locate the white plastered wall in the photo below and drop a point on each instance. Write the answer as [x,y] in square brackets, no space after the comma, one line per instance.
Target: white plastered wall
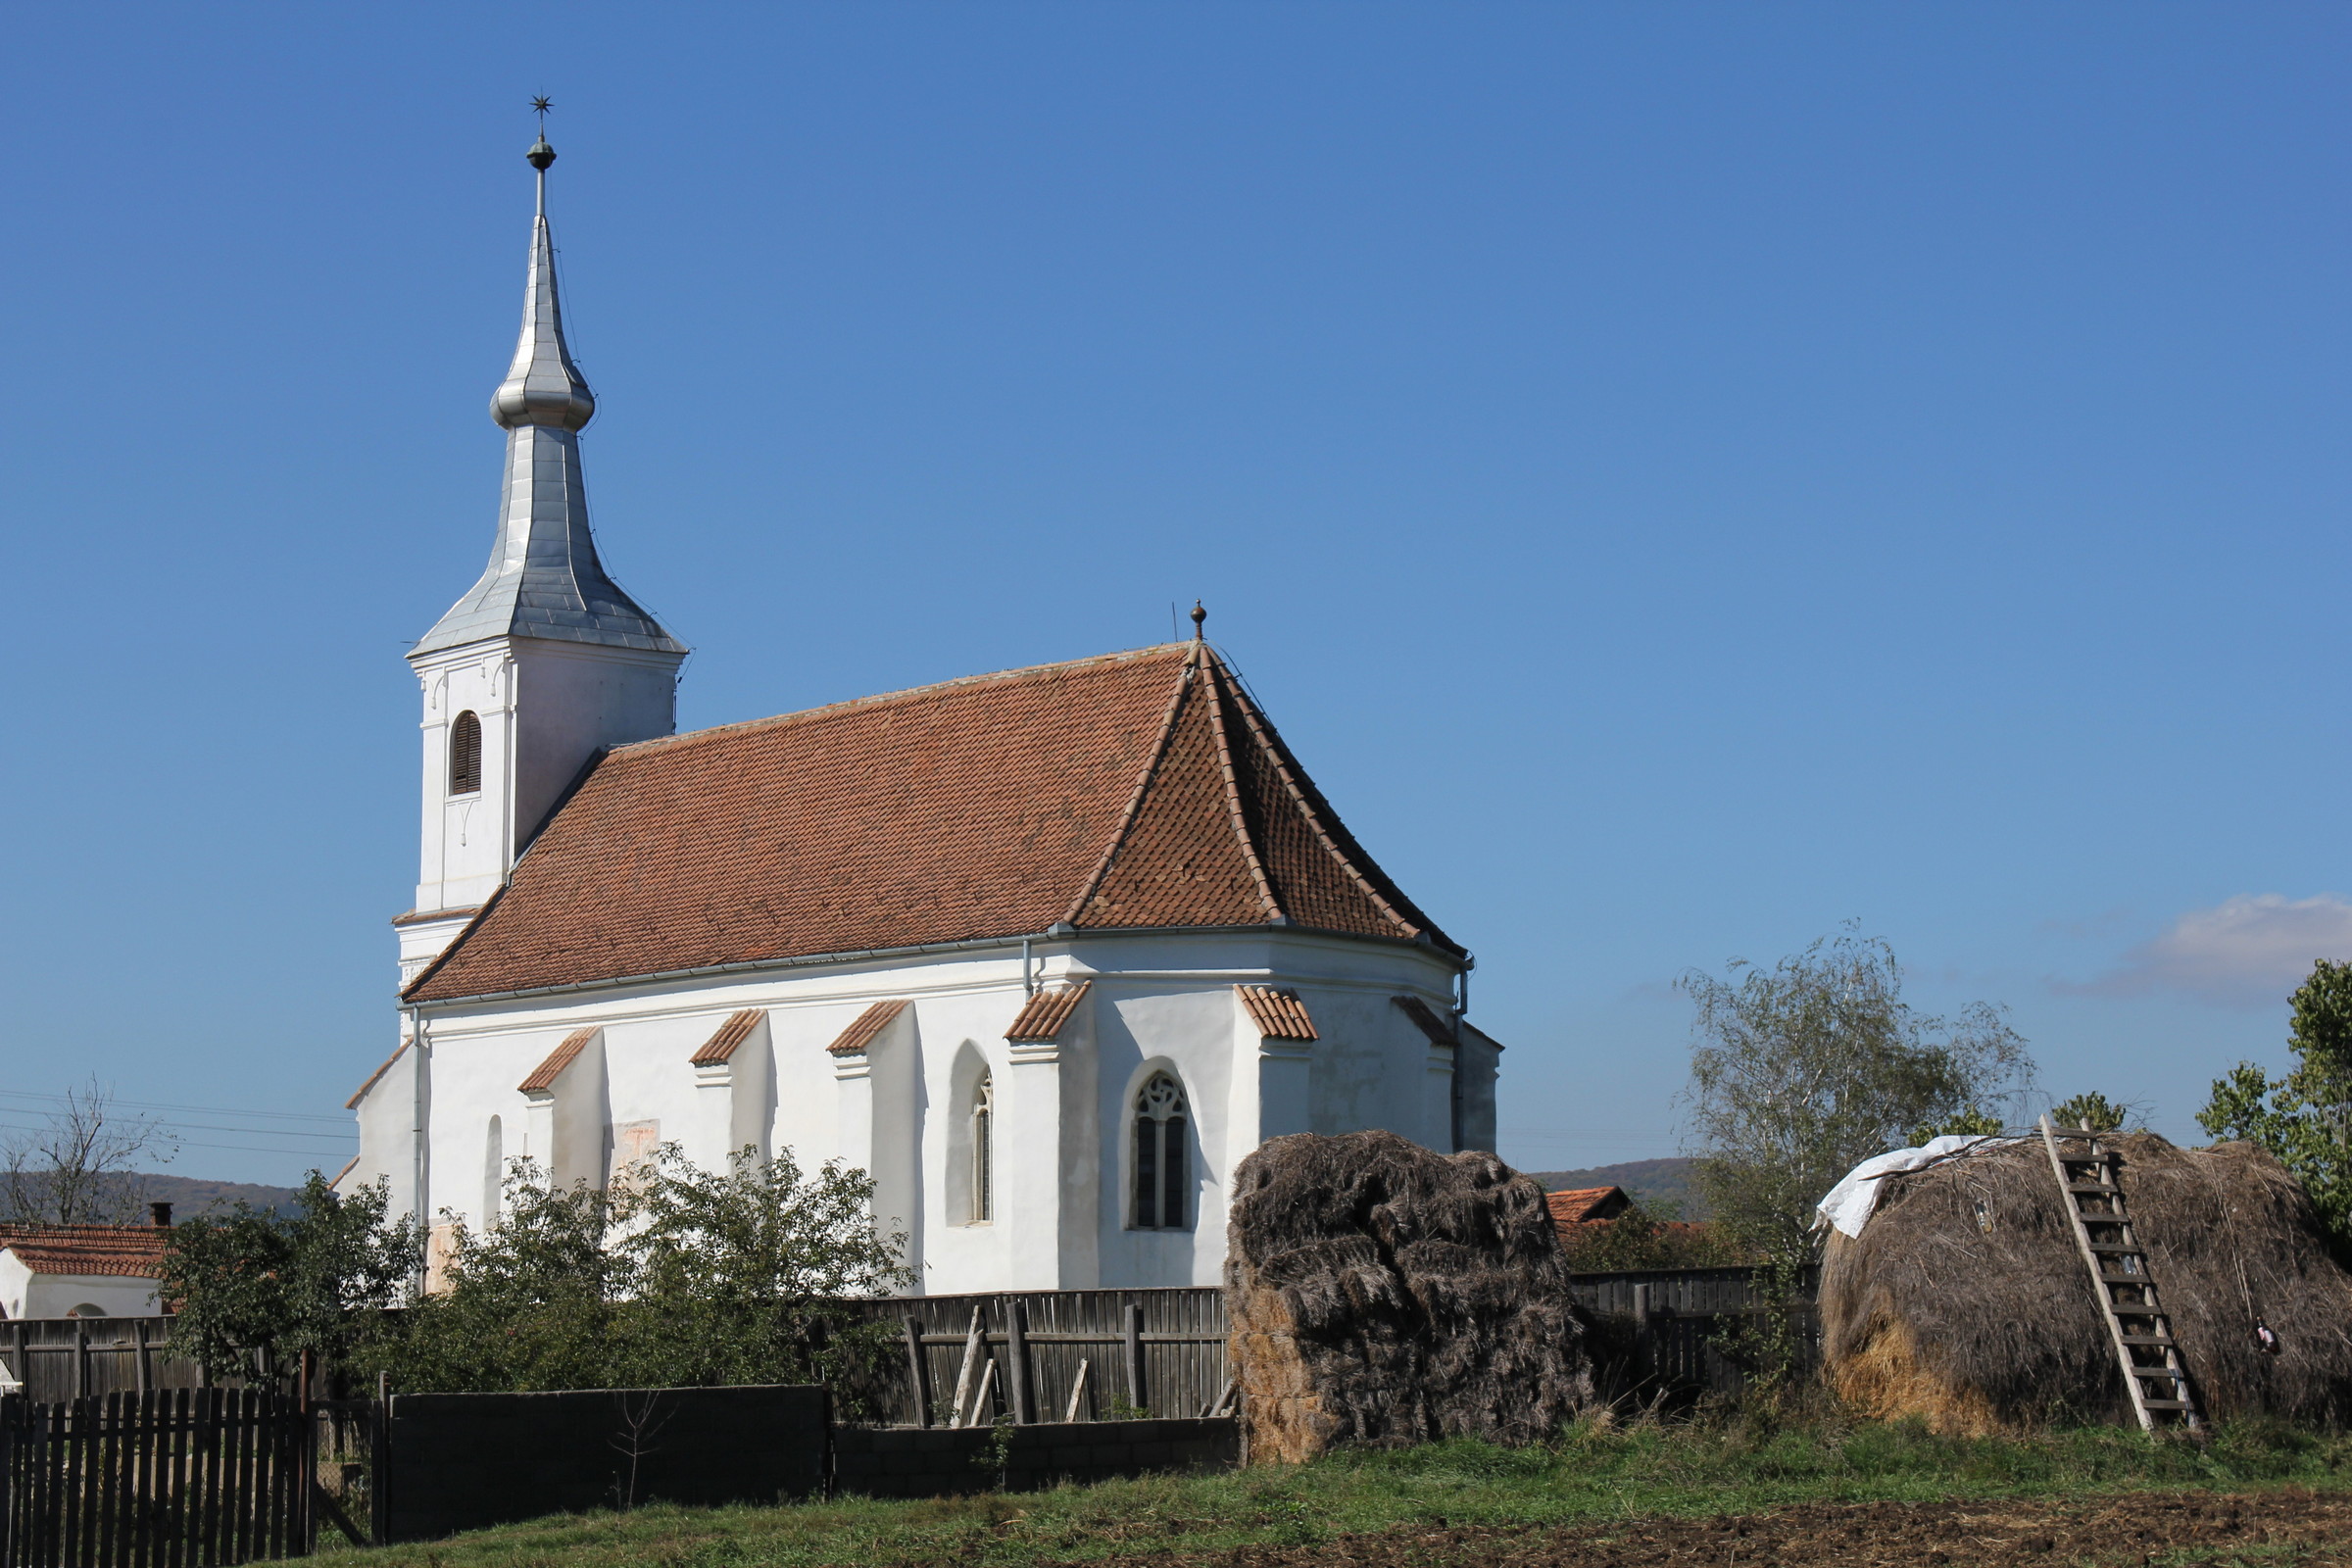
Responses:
[24,1294]
[1062,1108]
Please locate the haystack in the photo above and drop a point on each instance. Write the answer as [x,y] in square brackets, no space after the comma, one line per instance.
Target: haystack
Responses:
[1965,1301]
[1382,1294]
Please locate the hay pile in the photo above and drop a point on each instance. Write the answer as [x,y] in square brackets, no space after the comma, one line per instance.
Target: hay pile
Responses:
[1964,1299]
[1383,1294]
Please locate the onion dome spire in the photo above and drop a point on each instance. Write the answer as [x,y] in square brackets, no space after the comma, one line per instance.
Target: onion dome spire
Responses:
[542,386]
[544,580]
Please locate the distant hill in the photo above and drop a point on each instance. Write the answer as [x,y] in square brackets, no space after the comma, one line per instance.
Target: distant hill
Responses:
[1645,1181]
[127,1196]
[191,1195]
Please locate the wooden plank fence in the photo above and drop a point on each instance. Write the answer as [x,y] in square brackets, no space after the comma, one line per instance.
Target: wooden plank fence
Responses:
[1686,1333]
[1052,1355]
[1161,1353]
[173,1478]
[76,1358]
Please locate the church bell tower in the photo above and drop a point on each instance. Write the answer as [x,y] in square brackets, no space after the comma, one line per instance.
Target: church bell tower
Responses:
[545,660]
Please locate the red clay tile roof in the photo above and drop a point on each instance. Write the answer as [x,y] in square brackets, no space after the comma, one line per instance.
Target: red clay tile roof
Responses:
[543,1077]
[734,1032]
[1439,1032]
[1586,1205]
[1043,1014]
[1140,789]
[353,1103]
[131,1251]
[870,1023]
[1278,1013]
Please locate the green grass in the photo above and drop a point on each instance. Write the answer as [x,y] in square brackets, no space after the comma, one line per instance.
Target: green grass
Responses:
[1594,1472]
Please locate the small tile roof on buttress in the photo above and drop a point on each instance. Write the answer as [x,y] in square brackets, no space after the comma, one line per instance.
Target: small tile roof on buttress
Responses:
[1133,790]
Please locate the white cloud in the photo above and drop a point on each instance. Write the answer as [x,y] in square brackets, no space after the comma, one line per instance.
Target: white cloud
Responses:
[2247,952]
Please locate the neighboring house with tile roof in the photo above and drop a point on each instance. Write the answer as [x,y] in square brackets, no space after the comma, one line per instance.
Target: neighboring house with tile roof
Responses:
[1048,951]
[79,1270]
[1586,1205]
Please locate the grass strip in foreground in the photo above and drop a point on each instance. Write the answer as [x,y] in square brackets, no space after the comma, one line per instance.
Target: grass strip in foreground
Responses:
[1463,1500]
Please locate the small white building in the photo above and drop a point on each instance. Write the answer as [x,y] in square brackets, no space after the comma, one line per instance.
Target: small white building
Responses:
[79,1270]
[1047,952]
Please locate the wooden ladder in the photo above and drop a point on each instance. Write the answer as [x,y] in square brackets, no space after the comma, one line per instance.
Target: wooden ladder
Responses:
[2119,1271]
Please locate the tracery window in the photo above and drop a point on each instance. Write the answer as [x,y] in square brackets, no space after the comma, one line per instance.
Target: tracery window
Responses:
[466,754]
[1162,1174]
[984,1150]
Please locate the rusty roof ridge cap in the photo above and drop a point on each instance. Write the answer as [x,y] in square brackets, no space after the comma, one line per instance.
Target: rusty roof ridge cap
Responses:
[1236,816]
[1262,733]
[376,1077]
[822,710]
[1143,788]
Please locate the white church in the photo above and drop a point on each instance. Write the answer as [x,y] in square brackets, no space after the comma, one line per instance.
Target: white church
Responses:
[1047,952]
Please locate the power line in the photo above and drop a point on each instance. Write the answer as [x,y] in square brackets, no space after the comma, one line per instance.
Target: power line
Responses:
[202,1110]
[190,1143]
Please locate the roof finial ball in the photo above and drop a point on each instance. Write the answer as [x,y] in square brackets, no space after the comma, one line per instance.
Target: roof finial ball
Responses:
[541,154]
[1199,618]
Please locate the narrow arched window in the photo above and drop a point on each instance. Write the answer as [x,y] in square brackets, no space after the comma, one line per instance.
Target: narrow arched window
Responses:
[1162,1172]
[984,1150]
[494,1171]
[466,754]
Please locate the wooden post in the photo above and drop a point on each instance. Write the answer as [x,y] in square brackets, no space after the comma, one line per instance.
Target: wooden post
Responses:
[988,1381]
[918,1372]
[974,1346]
[1644,1353]
[81,1357]
[1016,1350]
[1078,1390]
[24,1368]
[381,1462]
[143,1351]
[1136,1391]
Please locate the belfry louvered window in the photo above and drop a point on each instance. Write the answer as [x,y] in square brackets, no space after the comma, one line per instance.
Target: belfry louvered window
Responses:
[466,754]
[1163,1171]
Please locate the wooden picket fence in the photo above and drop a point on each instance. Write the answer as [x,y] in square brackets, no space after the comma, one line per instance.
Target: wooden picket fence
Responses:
[172,1478]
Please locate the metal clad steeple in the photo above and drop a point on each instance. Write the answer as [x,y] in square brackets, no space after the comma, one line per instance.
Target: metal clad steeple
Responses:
[544,578]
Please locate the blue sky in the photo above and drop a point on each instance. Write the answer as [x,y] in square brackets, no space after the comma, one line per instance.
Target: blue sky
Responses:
[1682,477]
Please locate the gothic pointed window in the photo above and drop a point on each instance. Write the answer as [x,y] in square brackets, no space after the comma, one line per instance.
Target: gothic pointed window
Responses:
[1163,1171]
[984,1150]
[466,754]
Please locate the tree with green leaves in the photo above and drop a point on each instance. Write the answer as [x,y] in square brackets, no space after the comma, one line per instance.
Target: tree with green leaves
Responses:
[676,1277]
[317,1278]
[2092,1112]
[748,1269]
[1801,1071]
[2305,1118]
[530,1302]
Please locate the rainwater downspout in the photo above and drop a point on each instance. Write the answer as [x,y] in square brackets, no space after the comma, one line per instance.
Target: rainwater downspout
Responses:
[1028,984]
[416,1076]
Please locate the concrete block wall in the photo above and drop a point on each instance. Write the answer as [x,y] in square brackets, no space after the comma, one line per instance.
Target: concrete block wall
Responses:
[934,1462]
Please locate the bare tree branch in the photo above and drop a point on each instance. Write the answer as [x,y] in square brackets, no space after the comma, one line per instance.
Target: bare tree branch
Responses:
[83,1167]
